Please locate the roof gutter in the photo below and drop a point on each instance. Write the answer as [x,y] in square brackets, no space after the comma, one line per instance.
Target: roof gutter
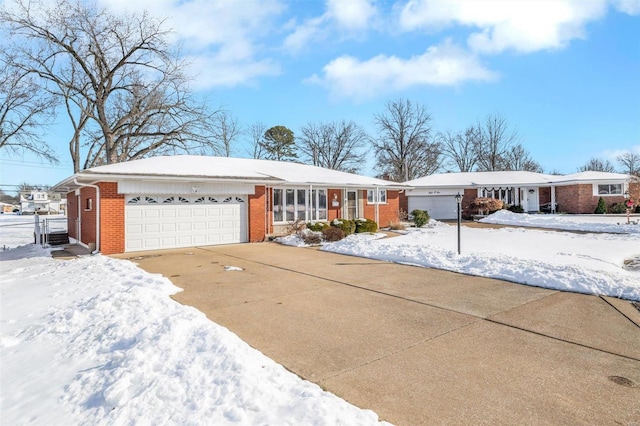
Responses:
[97,188]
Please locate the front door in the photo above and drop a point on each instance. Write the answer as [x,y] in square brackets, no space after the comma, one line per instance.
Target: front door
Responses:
[352,205]
[533,201]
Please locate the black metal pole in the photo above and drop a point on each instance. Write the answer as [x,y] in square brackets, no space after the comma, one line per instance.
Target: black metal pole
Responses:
[458,227]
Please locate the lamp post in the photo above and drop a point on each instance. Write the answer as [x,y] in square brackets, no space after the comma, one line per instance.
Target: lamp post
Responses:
[458,202]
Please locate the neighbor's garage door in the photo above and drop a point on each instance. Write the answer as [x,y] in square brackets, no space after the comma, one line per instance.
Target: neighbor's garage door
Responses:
[171,221]
[438,207]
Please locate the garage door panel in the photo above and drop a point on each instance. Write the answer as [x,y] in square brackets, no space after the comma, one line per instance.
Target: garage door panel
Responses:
[156,226]
[151,214]
[438,207]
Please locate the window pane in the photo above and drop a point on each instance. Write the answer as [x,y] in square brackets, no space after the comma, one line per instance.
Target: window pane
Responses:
[301,208]
[616,189]
[289,205]
[370,196]
[277,205]
[322,204]
[383,195]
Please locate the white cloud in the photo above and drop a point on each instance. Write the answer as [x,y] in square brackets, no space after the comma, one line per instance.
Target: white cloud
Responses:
[223,38]
[346,17]
[444,65]
[613,154]
[522,26]
[631,7]
[352,14]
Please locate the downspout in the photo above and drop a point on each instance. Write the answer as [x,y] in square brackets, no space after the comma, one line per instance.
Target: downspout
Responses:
[553,199]
[97,188]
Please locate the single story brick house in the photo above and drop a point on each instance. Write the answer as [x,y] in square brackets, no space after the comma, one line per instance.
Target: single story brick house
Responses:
[184,201]
[576,193]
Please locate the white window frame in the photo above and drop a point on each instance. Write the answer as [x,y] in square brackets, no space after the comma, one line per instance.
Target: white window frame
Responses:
[313,209]
[506,194]
[371,196]
[596,189]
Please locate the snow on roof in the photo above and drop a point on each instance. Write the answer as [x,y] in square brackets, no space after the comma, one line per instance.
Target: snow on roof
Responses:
[227,168]
[481,179]
[510,178]
[592,176]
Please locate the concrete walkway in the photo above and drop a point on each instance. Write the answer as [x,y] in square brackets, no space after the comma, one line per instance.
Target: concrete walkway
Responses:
[416,345]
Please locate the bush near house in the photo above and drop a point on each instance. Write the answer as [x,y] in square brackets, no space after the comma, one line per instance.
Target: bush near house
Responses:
[332,233]
[347,226]
[317,226]
[602,207]
[487,205]
[516,208]
[365,225]
[420,218]
[618,208]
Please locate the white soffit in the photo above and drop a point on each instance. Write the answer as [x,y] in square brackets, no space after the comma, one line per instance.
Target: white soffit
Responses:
[219,188]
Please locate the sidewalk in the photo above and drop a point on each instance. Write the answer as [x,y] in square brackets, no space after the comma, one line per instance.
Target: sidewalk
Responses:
[420,346]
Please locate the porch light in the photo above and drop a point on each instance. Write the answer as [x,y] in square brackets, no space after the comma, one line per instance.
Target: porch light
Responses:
[459,202]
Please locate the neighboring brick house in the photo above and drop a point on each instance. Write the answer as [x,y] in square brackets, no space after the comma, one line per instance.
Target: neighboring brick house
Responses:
[576,193]
[184,201]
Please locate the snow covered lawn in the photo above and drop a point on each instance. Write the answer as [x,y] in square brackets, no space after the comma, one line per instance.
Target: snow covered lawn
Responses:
[99,341]
[584,263]
[567,222]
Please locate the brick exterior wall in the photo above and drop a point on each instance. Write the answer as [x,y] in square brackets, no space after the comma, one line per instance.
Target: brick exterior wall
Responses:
[111,219]
[387,213]
[258,216]
[467,198]
[403,201]
[544,195]
[580,199]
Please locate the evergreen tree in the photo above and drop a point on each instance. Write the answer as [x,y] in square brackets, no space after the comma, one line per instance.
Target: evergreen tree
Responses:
[602,207]
[278,143]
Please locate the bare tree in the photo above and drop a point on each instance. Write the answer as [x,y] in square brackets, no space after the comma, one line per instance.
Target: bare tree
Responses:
[123,87]
[495,142]
[256,130]
[404,147]
[597,165]
[630,162]
[225,130]
[518,158]
[459,148]
[337,145]
[24,111]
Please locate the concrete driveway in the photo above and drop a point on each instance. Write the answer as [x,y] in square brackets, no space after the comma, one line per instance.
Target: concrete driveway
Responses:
[416,345]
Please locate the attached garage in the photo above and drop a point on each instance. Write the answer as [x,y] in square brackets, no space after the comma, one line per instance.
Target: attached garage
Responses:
[438,206]
[171,221]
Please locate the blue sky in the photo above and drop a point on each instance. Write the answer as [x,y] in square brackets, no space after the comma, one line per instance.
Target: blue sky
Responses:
[565,74]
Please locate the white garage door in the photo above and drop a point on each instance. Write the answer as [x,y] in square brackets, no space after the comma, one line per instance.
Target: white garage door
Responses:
[438,207]
[170,221]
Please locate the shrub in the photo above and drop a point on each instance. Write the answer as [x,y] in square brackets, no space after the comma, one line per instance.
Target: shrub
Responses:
[317,226]
[332,233]
[420,217]
[365,225]
[489,205]
[310,237]
[294,227]
[618,208]
[638,208]
[347,226]
[602,207]
[516,208]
